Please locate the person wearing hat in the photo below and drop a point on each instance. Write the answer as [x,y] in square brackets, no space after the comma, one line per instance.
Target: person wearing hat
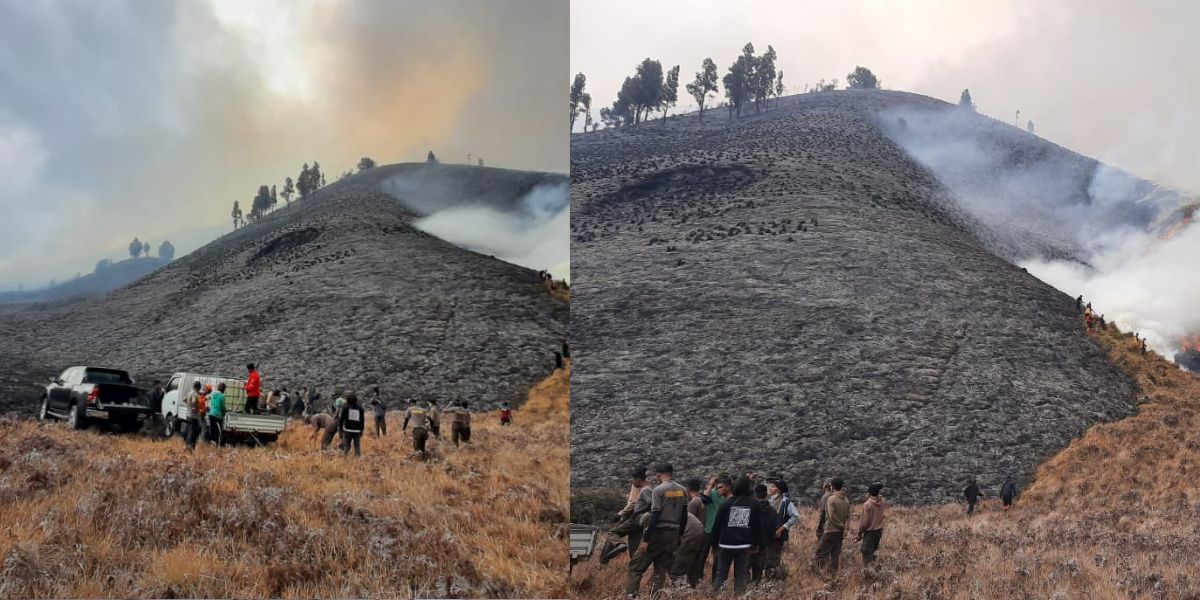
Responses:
[870,523]
[636,505]
[786,517]
[664,527]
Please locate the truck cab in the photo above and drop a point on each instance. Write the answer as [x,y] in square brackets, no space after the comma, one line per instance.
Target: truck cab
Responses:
[262,428]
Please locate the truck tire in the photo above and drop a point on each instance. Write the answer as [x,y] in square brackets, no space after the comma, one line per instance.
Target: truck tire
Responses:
[44,414]
[170,425]
[76,417]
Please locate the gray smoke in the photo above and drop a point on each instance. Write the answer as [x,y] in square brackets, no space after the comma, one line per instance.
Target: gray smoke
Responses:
[1081,226]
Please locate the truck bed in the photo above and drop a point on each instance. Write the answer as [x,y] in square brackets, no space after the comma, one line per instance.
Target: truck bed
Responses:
[247,423]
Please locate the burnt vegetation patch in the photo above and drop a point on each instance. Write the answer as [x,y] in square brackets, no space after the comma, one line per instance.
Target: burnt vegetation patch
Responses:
[285,243]
[682,181]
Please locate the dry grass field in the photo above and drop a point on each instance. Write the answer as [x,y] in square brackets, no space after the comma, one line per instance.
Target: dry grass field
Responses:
[85,514]
[1112,516]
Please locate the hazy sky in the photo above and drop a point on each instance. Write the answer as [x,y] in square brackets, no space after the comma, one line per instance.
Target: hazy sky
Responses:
[1112,79]
[149,118]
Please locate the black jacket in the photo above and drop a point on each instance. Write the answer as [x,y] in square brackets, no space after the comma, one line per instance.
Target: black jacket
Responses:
[741,520]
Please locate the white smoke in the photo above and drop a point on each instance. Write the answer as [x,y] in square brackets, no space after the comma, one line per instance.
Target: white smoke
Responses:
[1084,228]
[537,235]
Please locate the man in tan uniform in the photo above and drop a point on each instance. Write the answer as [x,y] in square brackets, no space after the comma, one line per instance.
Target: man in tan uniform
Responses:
[322,422]
[420,421]
[460,423]
[837,512]
[665,524]
[636,505]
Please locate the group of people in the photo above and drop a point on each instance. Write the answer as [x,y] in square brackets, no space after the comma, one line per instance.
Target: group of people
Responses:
[743,524]
[1092,320]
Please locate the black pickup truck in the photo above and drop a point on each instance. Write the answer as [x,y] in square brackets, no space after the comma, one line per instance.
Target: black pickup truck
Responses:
[88,394]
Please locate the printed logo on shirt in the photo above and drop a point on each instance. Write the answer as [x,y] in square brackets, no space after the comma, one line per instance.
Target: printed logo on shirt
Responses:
[354,414]
[739,516]
[673,494]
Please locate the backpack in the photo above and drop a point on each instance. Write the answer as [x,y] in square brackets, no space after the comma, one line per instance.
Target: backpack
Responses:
[354,419]
[505,415]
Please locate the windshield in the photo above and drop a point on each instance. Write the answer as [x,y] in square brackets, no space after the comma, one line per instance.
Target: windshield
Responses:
[91,375]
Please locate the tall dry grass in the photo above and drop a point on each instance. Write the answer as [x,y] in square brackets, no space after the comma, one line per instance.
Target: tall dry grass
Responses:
[1112,516]
[84,514]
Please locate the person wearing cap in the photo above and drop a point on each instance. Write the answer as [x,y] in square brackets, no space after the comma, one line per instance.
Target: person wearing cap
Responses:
[636,505]
[837,512]
[664,527]
[870,523]
[786,517]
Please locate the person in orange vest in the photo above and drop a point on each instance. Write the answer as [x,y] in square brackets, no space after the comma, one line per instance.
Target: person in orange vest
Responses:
[253,389]
[505,414]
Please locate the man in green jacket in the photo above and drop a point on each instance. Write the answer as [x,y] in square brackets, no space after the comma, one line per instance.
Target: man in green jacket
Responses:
[216,415]
[837,512]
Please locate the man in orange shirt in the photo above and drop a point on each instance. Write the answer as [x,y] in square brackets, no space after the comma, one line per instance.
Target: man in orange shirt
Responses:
[253,389]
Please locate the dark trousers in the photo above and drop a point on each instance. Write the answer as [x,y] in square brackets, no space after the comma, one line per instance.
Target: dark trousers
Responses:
[420,436]
[689,560]
[740,560]
[626,527]
[380,426]
[193,433]
[661,545]
[352,438]
[870,545]
[215,433]
[758,565]
[251,405]
[774,559]
[970,506]
[459,433]
[829,550]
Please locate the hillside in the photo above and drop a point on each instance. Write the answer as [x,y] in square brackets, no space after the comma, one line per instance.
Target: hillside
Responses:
[338,290]
[118,274]
[92,515]
[1111,516]
[794,293]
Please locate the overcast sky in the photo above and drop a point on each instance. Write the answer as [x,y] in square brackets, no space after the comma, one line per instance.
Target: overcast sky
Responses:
[1116,80]
[149,118]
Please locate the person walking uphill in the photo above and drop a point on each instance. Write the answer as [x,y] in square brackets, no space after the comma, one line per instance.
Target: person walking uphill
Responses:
[1008,492]
[379,411]
[636,505]
[352,422]
[837,512]
[420,422]
[660,537]
[870,523]
[460,423]
[253,389]
[216,415]
[971,493]
[738,531]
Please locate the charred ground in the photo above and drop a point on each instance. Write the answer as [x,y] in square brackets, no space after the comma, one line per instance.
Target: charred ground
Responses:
[338,290]
[792,293]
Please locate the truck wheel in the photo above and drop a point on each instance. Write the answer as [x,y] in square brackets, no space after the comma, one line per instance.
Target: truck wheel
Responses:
[44,414]
[76,417]
[170,426]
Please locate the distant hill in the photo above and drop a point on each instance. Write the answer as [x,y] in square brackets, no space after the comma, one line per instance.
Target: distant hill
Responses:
[98,283]
[338,290]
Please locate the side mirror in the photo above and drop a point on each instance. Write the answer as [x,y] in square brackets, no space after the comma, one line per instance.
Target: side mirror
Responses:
[54,380]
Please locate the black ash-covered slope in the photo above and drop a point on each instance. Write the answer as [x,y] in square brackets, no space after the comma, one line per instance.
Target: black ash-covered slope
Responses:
[338,291]
[792,293]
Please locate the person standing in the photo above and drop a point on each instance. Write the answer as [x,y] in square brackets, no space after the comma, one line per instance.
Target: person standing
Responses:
[505,414]
[837,512]
[738,531]
[870,523]
[285,402]
[691,548]
[253,389]
[758,557]
[420,421]
[194,414]
[698,508]
[435,419]
[156,396]
[351,424]
[1008,492]
[460,424]
[720,491]
[216,416]
[636,505]
[971,494]
[786,517]
[826,491]
[660,537]
[379,410]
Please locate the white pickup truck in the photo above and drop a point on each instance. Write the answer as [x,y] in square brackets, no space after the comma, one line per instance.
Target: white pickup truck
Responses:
[263,428]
